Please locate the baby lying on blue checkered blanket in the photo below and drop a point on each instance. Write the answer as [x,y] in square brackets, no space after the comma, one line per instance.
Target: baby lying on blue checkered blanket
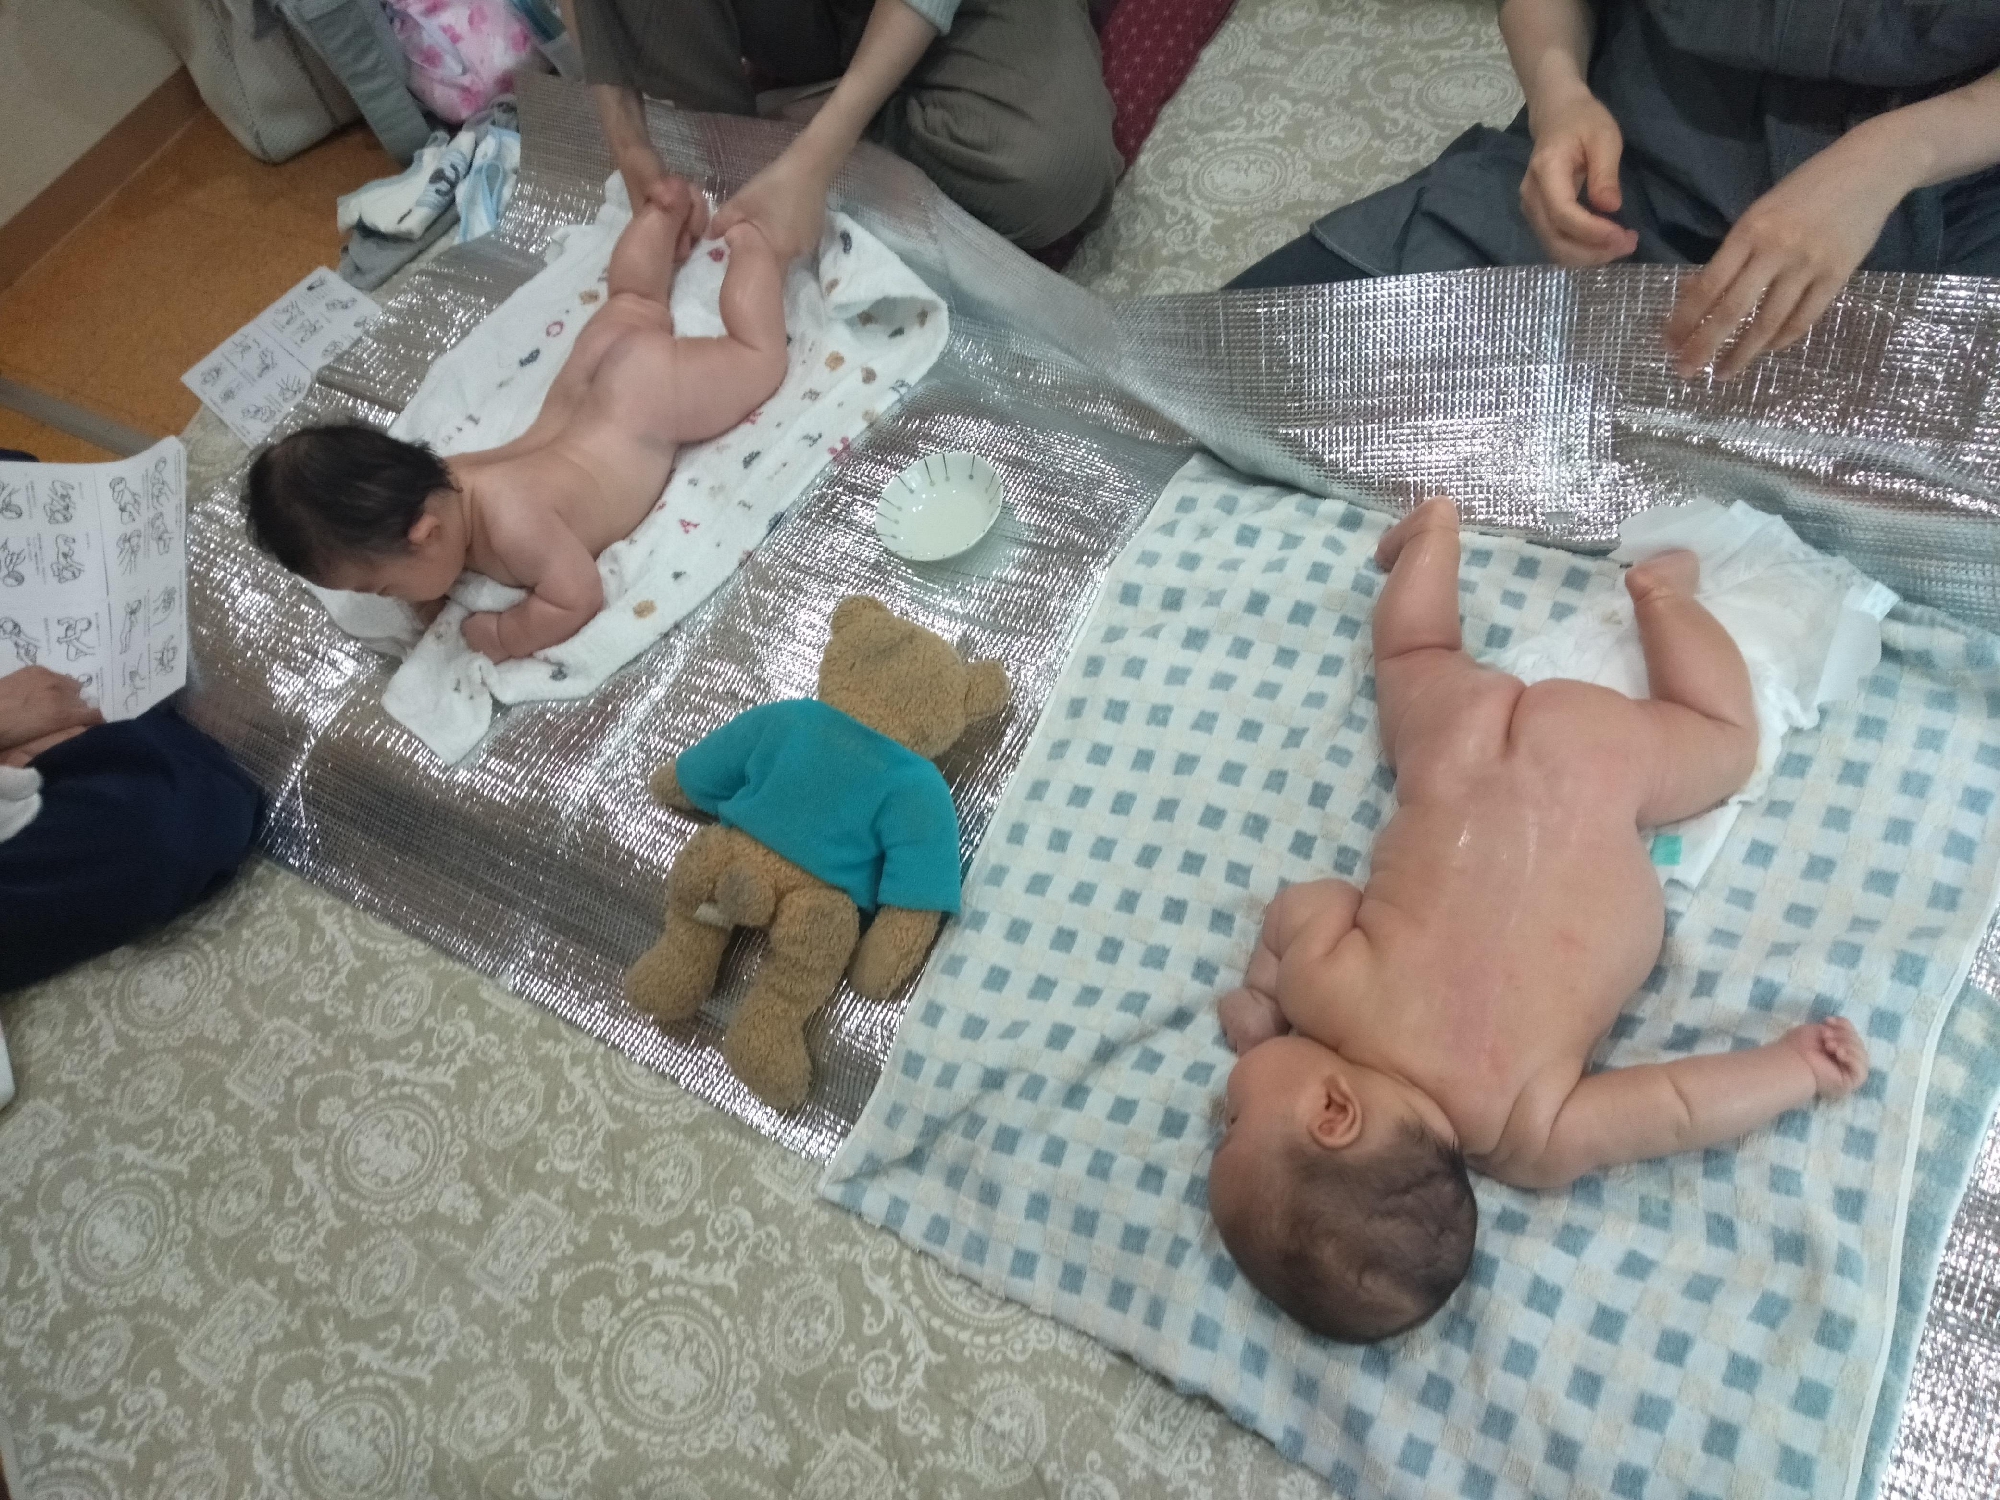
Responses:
[1445,1014]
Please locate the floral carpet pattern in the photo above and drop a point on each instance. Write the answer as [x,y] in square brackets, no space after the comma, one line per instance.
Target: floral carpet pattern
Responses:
[292,1205]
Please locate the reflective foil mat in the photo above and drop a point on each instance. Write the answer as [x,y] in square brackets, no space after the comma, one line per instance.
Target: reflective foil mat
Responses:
[1537,397]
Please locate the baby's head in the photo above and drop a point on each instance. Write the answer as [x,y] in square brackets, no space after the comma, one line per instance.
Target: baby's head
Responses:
[1335,1198]
[349,507]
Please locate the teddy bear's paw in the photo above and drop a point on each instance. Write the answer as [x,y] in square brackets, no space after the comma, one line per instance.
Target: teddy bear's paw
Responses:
[770,1057]
[668,984]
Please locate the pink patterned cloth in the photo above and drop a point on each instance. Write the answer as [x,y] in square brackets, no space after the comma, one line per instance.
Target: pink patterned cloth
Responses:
[463,53]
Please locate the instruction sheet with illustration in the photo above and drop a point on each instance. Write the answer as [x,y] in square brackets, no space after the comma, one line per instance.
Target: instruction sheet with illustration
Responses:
[262,369]
[93,575]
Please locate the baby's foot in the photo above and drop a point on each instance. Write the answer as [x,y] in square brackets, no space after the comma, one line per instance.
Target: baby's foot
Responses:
[1676,572]
[1249,1019]
[1834,1051]
[1435,514]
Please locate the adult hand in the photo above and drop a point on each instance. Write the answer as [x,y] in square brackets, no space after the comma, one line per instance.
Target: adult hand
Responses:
[787,203]
[681,200]
[1577,146]
[40,708]
[1783,261]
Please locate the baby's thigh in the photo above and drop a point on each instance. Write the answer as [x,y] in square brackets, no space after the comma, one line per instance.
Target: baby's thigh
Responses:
[1457,723]
[1581,729]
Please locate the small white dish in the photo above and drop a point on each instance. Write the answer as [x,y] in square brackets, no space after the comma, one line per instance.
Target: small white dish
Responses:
[939,506]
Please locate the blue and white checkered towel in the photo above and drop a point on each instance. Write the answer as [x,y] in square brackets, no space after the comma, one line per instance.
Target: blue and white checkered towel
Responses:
[1712,1324]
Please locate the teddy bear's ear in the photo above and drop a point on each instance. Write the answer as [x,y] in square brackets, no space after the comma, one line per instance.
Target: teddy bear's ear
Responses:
[854,608]
[985,690]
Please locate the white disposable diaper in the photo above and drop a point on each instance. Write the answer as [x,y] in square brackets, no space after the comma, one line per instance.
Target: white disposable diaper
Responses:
[1809,627]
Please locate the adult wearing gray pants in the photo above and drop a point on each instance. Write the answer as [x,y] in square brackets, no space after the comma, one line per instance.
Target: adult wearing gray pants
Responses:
[1001,102]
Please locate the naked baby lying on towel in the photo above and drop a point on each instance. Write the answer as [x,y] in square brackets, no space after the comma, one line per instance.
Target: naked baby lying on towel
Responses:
[349,507]
[1445,1014]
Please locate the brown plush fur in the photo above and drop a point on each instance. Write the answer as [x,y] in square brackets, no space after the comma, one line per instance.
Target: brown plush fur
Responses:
[902,681]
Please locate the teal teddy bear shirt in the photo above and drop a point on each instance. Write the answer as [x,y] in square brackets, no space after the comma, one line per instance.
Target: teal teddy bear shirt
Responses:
[836,798]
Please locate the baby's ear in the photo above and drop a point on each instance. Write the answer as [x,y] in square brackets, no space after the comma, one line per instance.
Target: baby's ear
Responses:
[985,690]
[854,608]
[427,527]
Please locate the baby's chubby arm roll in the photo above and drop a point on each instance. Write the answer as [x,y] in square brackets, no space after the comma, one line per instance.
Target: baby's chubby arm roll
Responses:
[1251,1013]
[564,588]
[1633,1114]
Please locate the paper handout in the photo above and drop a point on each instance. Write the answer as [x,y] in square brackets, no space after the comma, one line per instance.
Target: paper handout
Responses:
[264,367]
[93,575]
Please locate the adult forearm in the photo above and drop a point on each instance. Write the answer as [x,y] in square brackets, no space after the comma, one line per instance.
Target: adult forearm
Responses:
[1934,141]
[892,42]
[622,113]
[1548,42]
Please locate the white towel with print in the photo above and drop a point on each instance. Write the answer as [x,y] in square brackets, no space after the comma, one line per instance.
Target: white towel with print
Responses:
[1809,627]
[863,329]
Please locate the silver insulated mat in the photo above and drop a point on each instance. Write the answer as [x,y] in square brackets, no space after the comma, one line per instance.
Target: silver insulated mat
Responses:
[1537,397]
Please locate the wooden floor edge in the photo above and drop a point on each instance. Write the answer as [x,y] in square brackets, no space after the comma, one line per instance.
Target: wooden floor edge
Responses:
[93,177]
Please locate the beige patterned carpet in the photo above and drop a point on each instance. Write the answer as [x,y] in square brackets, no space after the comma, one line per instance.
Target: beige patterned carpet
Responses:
[291,1205]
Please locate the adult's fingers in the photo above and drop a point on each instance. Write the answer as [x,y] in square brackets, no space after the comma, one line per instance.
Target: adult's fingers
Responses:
[1773,312]
[1726,314]
[1697,297]
[1601,150]
[1815,301]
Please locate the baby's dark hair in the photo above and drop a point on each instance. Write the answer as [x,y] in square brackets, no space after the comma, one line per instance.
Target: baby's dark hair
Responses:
[339,490]
[1363,1245]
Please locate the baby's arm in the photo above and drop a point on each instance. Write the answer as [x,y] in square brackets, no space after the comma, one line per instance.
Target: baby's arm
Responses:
[1250,1013]
[564,588]
[1634,1114]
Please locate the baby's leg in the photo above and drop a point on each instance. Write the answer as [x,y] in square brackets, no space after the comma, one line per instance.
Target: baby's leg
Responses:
[1416,631]
[721,381]
[642,262]
[1701,716]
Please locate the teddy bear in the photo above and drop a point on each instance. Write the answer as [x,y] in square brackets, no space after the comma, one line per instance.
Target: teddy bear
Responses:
[826,808]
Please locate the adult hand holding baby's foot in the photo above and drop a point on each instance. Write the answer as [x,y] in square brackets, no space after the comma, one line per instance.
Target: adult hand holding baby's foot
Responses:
[1836,1054]
[482,634]
[1249,1019]
[1435,514]
[681,201]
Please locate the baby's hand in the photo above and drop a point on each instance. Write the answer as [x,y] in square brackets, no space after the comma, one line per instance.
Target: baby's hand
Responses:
[1835,1053]
[482,634]
[1249,1019]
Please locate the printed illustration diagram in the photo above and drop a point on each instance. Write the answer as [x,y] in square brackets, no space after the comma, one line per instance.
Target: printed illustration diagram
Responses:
[66,568]
[59,503]
[128,551]
[13,564]
[136,679]
[77,635]
[160,532]
[27,650]
[126,499]
[128,624]
[163,605]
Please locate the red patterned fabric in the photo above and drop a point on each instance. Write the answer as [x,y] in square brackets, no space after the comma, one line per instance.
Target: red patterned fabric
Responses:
[1150,46]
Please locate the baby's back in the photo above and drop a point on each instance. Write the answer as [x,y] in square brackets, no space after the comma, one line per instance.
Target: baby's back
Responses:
[1511,906]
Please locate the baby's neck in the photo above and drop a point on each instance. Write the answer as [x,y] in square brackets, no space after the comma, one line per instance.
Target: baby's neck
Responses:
[1412,1094]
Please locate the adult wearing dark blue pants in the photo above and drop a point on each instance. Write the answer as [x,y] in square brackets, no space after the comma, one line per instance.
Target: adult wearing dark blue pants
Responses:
[1781,144]
[137,821]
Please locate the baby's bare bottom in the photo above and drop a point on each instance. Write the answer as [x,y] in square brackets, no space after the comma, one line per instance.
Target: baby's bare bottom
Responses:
[1686,747]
